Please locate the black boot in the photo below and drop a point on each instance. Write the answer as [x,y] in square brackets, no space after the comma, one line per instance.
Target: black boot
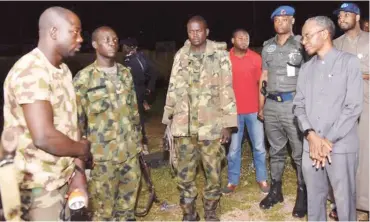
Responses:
[300,207]
[188,209]
[273,197]
[210,207]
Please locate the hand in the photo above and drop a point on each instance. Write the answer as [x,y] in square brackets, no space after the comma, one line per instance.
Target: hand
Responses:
[147,92]
[225,135]
[146,106]
[365,76]
[86,154]
[324,153]
[78,182]
[314,143]
[260,115]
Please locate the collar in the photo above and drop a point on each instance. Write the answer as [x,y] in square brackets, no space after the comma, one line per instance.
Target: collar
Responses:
[232,53]
[211,47]
[288,41]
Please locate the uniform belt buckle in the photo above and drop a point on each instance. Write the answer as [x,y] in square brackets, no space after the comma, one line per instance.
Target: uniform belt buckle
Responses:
[279,98]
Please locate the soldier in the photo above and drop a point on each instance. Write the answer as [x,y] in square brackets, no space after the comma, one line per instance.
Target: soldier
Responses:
[109,118]
[201,105]
[41,119]
[281,58]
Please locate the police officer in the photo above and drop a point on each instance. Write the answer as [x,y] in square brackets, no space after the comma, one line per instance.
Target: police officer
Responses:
[282,56]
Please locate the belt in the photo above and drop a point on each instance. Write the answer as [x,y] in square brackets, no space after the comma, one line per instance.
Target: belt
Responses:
[281,97]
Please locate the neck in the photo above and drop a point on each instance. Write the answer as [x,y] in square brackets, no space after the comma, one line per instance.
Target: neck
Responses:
[104,62]
[324,50]
[353,33]
[240,52]
[198,49]
[54,58]
[282,38]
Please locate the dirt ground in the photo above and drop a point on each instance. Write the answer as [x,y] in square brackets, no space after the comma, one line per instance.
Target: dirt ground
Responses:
[243,205]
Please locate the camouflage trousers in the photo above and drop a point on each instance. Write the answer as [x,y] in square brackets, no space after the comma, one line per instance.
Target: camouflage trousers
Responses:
[39,204]
[190,151]
[113,190]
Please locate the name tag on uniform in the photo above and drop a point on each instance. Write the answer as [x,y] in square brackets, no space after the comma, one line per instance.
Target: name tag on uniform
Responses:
[290,70]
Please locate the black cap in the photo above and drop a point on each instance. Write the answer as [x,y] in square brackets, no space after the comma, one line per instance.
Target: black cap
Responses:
[129,42]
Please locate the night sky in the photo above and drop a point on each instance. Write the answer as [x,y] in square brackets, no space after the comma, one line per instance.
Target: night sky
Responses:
[150,22]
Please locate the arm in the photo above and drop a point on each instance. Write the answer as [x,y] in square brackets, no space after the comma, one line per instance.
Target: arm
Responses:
[171,93]
[299,102]
[32,92]
[152,73]
[261,98]
[353,103]
[39,119]
[227,96]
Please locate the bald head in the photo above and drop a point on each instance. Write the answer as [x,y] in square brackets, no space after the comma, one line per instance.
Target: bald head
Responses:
[52,16]
[98,31]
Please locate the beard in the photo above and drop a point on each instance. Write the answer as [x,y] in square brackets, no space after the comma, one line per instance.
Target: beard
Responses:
[347,26]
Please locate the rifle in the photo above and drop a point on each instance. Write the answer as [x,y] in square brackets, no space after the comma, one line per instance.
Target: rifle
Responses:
[145,170]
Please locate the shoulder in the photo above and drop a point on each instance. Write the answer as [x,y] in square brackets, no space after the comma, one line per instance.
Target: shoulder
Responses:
[84,73]
[123,69]
[338,40]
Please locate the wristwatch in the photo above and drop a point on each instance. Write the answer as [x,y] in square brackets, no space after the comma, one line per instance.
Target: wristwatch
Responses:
[307,131]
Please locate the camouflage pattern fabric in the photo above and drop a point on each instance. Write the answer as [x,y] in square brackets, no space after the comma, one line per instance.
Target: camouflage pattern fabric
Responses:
[34,78]
[113,189]
[190,151]
[216,107]
[107,113]
[39,204]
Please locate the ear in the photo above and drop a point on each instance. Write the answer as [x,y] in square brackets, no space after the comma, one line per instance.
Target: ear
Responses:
[53,33]
[233,41]
[293,21]
[94,44]
[207,32]
[358,18]
[326,34]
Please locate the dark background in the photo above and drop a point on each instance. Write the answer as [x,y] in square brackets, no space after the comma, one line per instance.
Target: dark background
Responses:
[150,22]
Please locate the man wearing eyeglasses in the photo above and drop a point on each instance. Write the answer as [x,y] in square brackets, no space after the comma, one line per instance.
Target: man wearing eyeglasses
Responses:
[328,103]
[356,42]
[282,57]
[108,116]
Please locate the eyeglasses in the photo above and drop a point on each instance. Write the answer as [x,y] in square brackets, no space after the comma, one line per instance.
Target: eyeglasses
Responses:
[310,36]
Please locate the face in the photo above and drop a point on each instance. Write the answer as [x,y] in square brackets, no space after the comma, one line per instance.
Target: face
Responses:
[68,35]
[347,20]
[197,33]
[313,37]
[106,43]
[283,24]
[128,49]
[241,40]
[365,26]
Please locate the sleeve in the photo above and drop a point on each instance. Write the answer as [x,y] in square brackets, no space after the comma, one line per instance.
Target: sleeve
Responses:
[32,85]
[152,74]
[79,83]
[264,57]
[299,102]
[258,60]
[227,96]
[171,93]
[353,102]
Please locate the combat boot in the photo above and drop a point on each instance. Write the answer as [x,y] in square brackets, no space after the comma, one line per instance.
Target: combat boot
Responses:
[300,207]
[189,209]
[273,197]
[210,207]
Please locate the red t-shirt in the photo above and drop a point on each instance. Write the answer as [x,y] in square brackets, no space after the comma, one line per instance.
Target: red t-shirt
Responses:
[246,74]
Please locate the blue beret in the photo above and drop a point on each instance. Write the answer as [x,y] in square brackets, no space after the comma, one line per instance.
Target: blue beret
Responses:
[283,10]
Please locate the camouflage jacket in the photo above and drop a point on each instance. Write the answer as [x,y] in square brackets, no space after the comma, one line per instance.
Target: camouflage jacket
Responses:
[216,107]
[107,113]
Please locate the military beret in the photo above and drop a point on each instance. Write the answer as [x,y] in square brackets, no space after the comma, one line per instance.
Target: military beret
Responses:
[283,10]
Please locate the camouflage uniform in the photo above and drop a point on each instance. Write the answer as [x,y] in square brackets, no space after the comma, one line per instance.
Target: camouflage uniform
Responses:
[109,118]
[42,176]
[201,101]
